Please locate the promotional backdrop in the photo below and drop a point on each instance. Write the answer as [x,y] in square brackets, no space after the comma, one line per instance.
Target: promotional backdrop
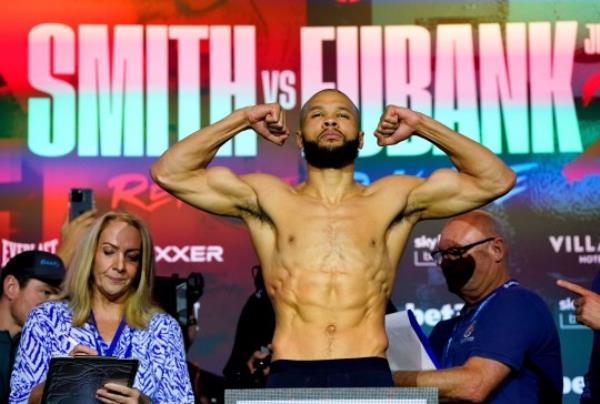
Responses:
[91,93]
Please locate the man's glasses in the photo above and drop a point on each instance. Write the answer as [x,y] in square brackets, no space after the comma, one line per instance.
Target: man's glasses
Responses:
[456,252]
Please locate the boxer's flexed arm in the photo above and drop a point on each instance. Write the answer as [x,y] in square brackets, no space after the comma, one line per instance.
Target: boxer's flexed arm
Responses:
[182,169]
[481,175]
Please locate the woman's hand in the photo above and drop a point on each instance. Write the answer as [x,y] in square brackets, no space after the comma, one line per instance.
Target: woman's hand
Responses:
[112,393]
[35,397]
[83,350]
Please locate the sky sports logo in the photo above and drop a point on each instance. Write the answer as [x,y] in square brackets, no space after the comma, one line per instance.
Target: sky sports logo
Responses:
[423,246]
[566,315]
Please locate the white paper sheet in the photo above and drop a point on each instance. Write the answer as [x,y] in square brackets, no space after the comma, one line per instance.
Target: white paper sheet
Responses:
[406,351]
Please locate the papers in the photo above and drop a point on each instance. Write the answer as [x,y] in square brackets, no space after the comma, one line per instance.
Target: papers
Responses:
[408,348]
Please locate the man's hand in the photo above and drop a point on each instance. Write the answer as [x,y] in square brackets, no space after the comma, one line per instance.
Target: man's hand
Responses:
[268,120]
[473,381]
[587,307]
[395,125]
[260,358]
[72,232]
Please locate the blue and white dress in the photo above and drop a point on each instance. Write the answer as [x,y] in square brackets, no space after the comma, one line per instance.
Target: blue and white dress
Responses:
[162,374]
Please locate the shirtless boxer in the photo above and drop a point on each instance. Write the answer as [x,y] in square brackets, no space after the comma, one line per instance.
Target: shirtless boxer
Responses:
[329,246]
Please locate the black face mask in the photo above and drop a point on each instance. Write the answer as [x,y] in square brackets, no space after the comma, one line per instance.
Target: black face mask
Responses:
[458,272]
[337,157]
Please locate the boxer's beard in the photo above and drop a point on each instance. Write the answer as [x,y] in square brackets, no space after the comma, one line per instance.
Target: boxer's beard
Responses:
[331,157]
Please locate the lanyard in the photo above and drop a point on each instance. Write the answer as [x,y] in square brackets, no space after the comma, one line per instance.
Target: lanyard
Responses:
[445,358]
[115,341]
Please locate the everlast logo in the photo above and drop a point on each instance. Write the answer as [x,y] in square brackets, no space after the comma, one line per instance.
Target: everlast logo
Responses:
[12,248]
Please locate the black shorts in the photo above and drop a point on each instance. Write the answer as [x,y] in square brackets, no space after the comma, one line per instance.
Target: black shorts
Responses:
[359,372]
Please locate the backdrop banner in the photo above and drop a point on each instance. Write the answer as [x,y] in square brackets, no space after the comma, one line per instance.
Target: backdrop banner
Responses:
[91,93]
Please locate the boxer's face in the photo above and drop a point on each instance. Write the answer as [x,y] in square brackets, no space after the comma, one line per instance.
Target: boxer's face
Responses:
[329,131]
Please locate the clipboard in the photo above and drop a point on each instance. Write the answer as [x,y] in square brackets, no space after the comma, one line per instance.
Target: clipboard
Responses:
[74,380]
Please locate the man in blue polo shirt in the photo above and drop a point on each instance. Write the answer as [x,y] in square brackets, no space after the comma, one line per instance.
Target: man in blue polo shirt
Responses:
[504,346]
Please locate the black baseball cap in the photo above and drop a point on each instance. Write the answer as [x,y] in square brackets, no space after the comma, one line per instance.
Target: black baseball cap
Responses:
[40,265]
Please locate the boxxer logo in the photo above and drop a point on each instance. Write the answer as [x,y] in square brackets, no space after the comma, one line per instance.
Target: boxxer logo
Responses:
[189,253]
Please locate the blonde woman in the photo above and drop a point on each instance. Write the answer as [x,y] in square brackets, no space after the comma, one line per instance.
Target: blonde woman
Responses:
[105,309]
